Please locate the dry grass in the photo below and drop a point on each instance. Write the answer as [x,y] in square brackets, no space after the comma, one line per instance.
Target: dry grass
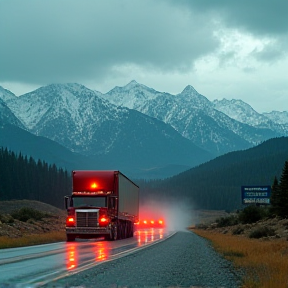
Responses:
[265,262]
[34,239]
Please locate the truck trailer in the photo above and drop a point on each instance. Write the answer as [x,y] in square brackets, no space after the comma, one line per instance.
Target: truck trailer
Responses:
[102,204]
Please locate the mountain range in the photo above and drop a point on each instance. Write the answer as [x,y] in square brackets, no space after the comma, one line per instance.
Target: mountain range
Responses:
[140,131]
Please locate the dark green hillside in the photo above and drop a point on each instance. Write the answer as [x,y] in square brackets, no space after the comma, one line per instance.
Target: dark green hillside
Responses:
[217,183]
[24,178]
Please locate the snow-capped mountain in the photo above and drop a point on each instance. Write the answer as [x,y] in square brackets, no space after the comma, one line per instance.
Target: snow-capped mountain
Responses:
[68,114]
[244,113]
[77,118]
[278,117]
[138,127]
[193,116]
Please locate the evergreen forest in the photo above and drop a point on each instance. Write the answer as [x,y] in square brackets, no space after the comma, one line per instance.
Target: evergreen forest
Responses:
[216,185]
[24,178]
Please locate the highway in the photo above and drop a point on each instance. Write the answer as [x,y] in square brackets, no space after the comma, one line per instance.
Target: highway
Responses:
[38,265]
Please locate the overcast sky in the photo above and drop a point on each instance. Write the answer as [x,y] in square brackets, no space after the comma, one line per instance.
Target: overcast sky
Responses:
[225,49]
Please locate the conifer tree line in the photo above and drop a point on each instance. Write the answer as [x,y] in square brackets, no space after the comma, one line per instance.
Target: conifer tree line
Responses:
[279,195]
[24,178]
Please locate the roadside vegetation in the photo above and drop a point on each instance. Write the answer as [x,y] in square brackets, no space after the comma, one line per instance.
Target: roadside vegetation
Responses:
[29,216]
[264,263]
[33,239]
[263,254]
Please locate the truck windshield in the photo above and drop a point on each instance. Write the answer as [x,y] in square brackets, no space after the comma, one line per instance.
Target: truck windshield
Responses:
[89,201]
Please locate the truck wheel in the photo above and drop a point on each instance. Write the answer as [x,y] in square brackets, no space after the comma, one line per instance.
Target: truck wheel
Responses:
[114,232]
[70,238]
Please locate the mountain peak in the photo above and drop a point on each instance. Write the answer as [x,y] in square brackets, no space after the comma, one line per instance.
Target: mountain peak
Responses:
[132,83]
[189,89]
[135,84]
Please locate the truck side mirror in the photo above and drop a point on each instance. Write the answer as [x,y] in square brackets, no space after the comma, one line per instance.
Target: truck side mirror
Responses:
[67,201]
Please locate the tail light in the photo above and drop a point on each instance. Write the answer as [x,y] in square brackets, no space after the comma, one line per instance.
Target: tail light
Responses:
[70,221]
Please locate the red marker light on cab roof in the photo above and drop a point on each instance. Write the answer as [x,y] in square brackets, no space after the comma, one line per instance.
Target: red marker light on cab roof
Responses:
[94,185]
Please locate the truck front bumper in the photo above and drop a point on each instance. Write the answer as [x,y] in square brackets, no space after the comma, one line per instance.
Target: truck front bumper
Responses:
[87,230]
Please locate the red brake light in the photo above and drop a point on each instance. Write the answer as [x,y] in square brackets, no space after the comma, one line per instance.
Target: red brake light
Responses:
[145,222]
[70,221]
[152,221]
[160,222]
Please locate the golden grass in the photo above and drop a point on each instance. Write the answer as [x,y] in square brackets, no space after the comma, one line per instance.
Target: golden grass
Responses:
[33,239]
[265,262]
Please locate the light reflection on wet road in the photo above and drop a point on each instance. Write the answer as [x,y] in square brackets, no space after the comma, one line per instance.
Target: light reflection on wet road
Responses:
[30,266]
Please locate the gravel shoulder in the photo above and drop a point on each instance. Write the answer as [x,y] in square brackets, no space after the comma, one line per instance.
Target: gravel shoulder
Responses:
[184,260]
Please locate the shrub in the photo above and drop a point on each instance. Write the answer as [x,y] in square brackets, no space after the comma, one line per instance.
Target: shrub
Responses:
[252,214]
[238,230]
[262,232]
[6,219]
[227,221]
[24,214]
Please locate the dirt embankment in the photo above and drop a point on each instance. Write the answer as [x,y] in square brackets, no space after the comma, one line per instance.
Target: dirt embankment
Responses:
[11,227]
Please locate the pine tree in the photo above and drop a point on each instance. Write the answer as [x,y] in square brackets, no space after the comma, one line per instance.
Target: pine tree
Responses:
[274,200]
[283,192]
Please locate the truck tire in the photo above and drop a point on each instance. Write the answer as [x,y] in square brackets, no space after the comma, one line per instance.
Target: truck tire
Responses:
[70,238]
[114,233]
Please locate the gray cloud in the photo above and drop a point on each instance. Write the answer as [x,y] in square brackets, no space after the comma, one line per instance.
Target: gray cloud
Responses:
[73,40]
[216,46]
[264,17]
[270,53]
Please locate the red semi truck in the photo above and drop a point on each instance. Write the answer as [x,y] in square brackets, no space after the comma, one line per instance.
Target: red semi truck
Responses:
[102,204]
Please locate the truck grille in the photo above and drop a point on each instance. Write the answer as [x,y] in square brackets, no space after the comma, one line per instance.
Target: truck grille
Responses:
[86,218]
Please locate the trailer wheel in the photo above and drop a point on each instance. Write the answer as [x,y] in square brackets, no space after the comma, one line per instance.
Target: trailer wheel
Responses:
[131,234]
[70,238]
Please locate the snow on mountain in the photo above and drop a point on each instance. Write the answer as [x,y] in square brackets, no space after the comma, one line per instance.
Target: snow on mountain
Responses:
[132,95]
[193,116]
[147,126]
[6,94]
[244,113]
[30,108]
[77,118]
[238,110]
[278,117]
[68,114]
[7,116]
